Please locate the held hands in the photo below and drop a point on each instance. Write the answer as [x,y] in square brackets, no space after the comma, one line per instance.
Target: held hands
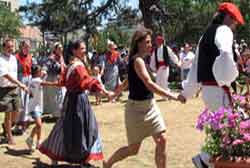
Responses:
[24,87]
[181,98]
[111,95]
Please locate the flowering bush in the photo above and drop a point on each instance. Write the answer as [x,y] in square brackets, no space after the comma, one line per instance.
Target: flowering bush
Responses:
[227,129]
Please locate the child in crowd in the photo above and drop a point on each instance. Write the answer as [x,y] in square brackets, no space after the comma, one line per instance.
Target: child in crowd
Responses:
[96,73]
[36,104]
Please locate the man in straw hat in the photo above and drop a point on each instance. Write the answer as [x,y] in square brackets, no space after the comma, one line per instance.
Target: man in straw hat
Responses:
[214,67]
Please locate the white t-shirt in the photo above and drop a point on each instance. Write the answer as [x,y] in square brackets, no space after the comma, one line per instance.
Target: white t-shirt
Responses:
[186,59]
[36,102]
[8,65]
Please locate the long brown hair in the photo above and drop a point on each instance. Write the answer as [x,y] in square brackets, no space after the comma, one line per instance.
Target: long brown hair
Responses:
[137,37]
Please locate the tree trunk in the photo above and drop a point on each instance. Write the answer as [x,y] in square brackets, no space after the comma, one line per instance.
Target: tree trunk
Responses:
[43,34]
[144,6]
[65,38]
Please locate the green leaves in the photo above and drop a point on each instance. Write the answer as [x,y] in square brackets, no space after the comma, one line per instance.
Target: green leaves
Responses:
[187,19]
[10,23]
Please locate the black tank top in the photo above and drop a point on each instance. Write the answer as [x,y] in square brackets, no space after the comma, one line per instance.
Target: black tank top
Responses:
[137,89]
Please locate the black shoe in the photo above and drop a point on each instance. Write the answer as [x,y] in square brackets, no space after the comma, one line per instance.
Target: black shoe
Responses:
[4,131]
[198,162]
[17,131]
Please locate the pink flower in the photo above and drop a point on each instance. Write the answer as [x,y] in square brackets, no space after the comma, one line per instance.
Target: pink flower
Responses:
[246,137]
[203,119]
[238,97]
[245,124]
[238,142]
[226,140]
[232,118]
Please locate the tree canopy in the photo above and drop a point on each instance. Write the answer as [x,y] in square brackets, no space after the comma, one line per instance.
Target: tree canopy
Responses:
[179,21]
[185,20]
[10,23]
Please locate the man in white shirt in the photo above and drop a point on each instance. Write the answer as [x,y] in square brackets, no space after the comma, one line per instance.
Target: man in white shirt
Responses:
[9,97]
[160,60]
[186,57]
[214,67]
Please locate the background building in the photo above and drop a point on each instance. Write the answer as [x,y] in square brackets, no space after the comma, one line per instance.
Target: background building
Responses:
[12,4]
[31,33]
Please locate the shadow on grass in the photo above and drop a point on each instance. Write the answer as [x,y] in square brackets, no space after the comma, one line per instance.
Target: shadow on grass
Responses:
[49,119]
[24,153]
[39,164]
[93,102]
[3,139]
[123,101]
[15,152]
[162,100]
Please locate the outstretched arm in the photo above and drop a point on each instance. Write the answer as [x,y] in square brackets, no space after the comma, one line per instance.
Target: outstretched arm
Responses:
[17,82]
[121,87]
[49,83]
[143,74]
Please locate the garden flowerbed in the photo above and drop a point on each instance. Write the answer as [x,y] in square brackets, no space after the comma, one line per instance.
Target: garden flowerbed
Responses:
[228,134]
[235,163]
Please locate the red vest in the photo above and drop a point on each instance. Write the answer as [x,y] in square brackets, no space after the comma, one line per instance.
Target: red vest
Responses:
[25,64]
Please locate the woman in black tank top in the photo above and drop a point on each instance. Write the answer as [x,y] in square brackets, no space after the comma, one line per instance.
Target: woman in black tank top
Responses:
[142,117]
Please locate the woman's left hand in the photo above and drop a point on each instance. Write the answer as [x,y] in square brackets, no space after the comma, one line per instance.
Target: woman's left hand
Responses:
[111,95]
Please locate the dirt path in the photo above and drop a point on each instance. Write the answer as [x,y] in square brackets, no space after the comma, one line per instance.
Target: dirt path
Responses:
[183,139]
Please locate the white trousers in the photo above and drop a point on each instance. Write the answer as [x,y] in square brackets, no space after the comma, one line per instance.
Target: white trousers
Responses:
[24,110]
[213,97]
[162,77]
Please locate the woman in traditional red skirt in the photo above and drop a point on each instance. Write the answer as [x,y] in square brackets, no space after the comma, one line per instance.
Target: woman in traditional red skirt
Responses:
[75,137]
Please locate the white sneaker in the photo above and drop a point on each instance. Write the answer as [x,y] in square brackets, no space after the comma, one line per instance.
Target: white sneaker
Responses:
[30,144]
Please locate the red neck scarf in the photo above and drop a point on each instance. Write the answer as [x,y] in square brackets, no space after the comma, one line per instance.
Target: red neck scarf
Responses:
[112,56]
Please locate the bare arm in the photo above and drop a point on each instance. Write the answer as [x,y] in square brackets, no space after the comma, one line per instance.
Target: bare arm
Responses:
[48,83]
[17,82]
[143,74]
[122,87]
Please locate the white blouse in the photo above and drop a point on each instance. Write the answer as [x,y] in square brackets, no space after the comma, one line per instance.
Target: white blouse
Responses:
[224,68]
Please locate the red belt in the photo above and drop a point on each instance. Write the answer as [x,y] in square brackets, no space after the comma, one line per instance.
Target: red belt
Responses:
[225,88]
[162,63]
[26,74]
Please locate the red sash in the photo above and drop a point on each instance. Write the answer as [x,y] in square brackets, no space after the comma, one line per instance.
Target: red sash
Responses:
[225,88]
[162,63]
